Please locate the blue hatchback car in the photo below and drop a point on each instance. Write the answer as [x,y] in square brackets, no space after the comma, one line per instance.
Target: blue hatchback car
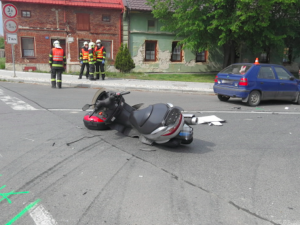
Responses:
[253,82]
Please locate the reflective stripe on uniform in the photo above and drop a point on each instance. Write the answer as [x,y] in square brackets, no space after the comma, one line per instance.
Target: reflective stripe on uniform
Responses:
[57,65]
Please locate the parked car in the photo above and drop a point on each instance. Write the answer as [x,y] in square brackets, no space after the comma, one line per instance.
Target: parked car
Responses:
[253,82]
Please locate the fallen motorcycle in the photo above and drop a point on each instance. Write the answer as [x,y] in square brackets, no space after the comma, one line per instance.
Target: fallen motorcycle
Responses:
[159,123]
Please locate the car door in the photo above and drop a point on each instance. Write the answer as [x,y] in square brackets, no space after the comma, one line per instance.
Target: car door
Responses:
[267,83]
[288,88]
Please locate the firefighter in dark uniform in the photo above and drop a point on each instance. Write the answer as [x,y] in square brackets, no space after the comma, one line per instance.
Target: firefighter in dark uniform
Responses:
[57,61]
[101,55]
[84,60]
[92,59]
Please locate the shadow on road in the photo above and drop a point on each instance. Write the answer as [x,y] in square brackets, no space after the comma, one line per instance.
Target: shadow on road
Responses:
[196,147]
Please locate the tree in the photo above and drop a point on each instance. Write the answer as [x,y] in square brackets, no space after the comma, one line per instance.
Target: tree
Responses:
[203,24]
[124,61]
[1,42]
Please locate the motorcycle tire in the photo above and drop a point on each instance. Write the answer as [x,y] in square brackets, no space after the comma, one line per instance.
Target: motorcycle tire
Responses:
[172,143]
[187,142]
[96,95]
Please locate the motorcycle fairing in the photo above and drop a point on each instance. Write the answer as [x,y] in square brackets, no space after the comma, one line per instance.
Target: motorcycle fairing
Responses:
[146,120]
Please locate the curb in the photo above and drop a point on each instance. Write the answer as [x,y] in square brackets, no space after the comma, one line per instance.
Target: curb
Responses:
[118,87]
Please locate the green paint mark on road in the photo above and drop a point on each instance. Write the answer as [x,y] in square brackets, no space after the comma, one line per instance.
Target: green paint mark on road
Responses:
[5,195]
[27,208]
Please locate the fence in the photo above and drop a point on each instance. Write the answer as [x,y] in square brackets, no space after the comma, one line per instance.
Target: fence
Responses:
[2,53]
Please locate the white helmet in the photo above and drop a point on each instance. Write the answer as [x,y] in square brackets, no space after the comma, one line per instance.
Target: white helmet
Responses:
[91,45]
[85,43]
[98,41]
[56,43]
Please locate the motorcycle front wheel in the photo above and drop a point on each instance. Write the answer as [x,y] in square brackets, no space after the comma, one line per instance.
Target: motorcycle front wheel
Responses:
[97,95]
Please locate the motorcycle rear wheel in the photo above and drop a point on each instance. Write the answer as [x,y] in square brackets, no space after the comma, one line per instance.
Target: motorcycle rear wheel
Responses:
[187,142]
[172,143]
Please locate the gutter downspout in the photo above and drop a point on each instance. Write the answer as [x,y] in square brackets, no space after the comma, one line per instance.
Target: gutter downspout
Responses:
[121,16]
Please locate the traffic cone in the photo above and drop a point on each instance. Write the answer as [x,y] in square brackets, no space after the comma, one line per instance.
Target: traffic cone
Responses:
[256,61]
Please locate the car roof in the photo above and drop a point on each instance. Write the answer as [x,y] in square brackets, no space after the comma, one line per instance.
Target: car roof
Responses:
[249,64]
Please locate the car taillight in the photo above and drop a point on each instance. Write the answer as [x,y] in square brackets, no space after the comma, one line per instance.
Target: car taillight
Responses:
[243,82]
[216,79]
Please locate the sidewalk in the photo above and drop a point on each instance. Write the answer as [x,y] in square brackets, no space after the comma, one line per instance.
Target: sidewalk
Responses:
[109,83]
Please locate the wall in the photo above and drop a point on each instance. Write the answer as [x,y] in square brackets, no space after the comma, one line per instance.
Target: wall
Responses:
[138,27]
[57,22]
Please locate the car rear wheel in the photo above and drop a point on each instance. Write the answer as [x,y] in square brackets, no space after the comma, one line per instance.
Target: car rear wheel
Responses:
[223,98]
[254,98]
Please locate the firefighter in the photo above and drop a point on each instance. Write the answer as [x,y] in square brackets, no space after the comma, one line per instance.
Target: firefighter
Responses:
[100,55]
[92,59]
[84,61]
[57,61]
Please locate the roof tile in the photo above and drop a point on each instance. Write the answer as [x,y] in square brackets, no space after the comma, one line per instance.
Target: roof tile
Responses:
[111,4]
[138,5]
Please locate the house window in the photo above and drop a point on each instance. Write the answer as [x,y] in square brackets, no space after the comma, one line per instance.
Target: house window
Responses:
[106,18]
[27,46]
[150,47]
[201,56]
[26,14]
[287,55]
[176,52]
[107,45]
[83,21]
[264,57]
[151,25]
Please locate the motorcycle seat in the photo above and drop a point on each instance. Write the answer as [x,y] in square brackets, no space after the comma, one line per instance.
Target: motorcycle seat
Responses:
[148,119]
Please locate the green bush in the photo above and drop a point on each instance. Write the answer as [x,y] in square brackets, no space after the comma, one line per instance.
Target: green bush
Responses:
[2,42]
[2,63]
[124,61]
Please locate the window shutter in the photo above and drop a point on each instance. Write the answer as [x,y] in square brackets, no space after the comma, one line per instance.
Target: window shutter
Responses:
[83,21]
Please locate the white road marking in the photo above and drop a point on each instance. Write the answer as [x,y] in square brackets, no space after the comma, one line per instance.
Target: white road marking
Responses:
[41,216]
[15,103]
[247,112]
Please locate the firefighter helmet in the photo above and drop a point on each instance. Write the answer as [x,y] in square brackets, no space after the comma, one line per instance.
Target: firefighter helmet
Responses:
[56,43]
[91,45]
[85,43]
[98,41]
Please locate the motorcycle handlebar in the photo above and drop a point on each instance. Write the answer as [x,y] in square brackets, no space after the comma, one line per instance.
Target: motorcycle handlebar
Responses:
[122,93]
[108,101]
[104,103]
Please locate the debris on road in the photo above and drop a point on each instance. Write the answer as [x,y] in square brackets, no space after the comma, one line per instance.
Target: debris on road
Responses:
[211,120]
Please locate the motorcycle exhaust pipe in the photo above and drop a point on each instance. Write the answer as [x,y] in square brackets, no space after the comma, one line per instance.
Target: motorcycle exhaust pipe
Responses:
[190,119]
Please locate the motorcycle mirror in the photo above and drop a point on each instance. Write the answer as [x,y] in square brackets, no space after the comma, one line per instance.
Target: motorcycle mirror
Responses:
[85,107]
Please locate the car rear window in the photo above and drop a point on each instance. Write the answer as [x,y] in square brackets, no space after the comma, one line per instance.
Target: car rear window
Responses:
[238,69]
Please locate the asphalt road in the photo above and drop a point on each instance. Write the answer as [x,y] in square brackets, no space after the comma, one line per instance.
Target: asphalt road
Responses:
[55,171]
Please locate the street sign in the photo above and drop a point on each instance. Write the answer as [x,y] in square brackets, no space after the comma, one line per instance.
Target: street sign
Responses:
[12,38]
[10,26]
[10,10]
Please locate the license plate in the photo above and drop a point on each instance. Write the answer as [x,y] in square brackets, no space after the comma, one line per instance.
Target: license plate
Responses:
[226,82]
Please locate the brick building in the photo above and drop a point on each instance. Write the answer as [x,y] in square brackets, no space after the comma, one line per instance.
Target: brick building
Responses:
[40,22]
